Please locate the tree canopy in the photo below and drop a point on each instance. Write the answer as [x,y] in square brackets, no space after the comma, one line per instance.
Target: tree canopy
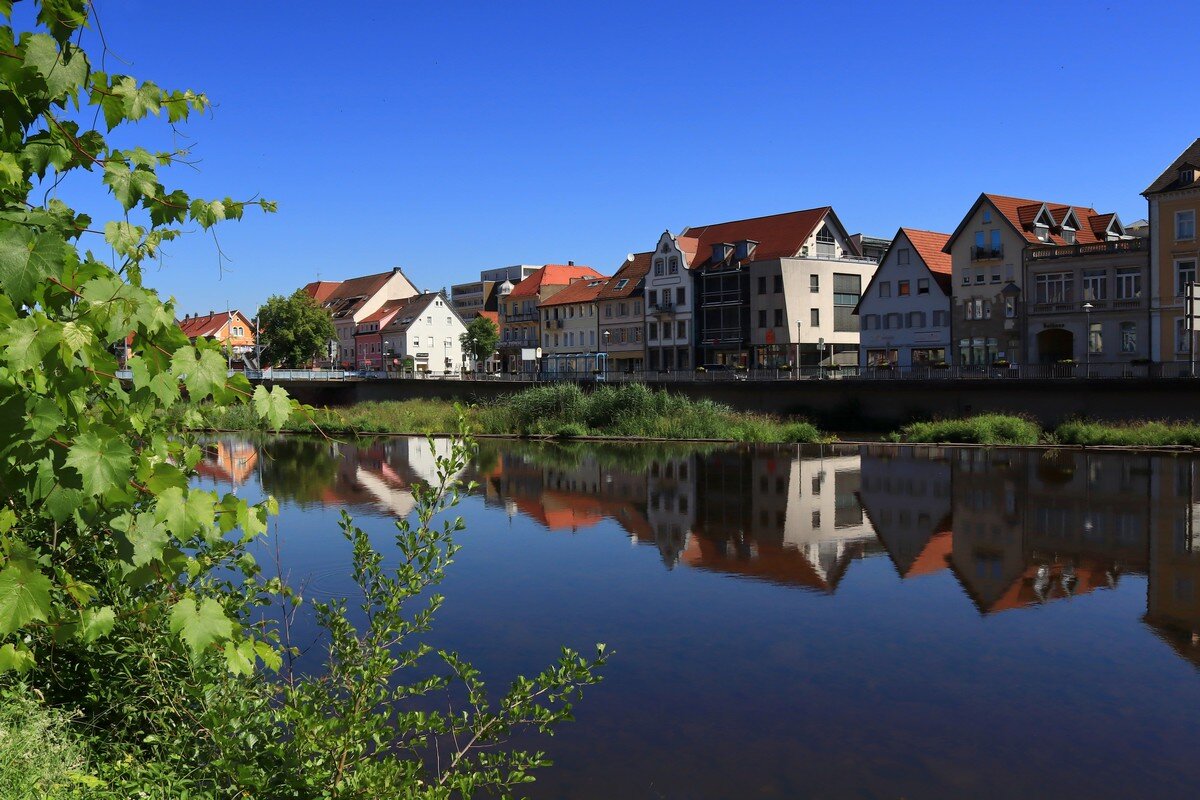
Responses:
[479,340]
[294,331]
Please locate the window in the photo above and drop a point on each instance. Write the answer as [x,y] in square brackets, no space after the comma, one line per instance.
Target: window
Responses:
[762,318]
[826,245]
[762,284]
[885,289]
[1128,337]
[987,310]
[1095,284]
[1068,235]
[916,319]
[680,296]
[814,283]
[996,275]
[987,215]
[1042,231]
[814,317]
[623,309]
[1129,284]
[979,276]
[658,266]
[1185,273]
[1054,287]
[1010,307]
[1182,336]
[902,256]
[652,333]
[871,322]
[997,248]
[778,284]
[674,265]
[1096,338]
[1185,225]
[681,329]
[893,321]
[980,239]
[653,297]
[940,319]
[607,310]
[966,278]
[902,289]
[779,318]
[922,285]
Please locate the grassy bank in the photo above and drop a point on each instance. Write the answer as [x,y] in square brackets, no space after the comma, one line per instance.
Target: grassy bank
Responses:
[561,410]
[1001,429]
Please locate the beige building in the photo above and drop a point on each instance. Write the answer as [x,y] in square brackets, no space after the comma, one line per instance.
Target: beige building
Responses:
[350,302]
[622,315]
[1174,199]
[570,329]
[520,320]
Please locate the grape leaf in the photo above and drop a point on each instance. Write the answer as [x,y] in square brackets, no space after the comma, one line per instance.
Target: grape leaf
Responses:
[24,595]
[200,625]
[274,406]
[103,462]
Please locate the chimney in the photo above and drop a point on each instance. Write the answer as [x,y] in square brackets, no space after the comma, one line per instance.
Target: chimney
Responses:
[570,263]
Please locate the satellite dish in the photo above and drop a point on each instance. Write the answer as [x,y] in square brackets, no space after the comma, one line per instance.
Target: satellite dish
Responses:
[629,258]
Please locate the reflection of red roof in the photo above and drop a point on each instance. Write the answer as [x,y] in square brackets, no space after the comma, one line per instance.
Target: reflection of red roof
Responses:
[934,557]
[556,516]
[1090,574]
[778,235]
[783,565]
[551,275]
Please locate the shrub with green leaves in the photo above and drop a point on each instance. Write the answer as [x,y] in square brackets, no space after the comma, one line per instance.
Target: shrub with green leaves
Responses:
[130,605]
[993,429]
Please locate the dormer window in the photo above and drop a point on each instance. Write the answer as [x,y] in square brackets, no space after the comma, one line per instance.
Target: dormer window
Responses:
[1068,235]
[826,244]
[1187,176]
[1042,231]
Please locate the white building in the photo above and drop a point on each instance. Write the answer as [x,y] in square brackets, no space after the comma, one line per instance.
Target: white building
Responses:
[670,300]
[350,302]
[904,314]
[427,330]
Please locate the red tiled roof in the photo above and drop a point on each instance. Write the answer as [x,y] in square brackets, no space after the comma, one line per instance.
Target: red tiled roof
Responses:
[320,290]
[386,311]
[581,291]
[1021,214]
[1169,179]
[634,271]
[199,327]
[1100,224]
[494,316]
[928,245]
[778,235]
[551,275]
[347,296]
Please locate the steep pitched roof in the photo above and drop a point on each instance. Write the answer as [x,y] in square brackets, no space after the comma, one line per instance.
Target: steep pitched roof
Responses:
[634,272]
[1021,213]
[551,275]
[1169,179]
[349,295]
[581,291]
[778,235]
[200,327]
[320,290]
[931,248]
[413,307]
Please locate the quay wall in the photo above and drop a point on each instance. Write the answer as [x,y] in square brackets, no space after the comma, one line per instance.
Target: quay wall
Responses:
[844,404]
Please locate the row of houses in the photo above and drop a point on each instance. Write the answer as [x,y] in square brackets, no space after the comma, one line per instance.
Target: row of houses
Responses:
[1020,281]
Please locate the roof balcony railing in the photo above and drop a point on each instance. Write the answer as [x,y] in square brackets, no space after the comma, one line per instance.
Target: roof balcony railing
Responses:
[986,253]
[1092,249]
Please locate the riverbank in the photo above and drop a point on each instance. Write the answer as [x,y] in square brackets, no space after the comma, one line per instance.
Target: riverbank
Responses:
[1003,429]
[560,410]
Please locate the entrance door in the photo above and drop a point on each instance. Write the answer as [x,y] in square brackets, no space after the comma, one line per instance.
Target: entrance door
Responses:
[1055,344]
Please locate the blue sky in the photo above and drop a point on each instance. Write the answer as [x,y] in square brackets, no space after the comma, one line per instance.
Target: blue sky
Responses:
[451,137]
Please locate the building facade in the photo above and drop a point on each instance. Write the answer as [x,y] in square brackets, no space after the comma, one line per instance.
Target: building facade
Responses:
[570,330]
[622,315]
[233,330]
[669,295]
[904,314]
[520,328]
[425,332]
[350,302]
[1174,202]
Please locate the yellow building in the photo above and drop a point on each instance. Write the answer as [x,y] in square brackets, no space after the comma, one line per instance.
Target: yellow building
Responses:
[1174,199]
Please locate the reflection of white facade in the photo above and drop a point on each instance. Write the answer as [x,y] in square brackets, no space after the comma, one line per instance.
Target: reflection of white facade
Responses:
[671,504]
[390,480]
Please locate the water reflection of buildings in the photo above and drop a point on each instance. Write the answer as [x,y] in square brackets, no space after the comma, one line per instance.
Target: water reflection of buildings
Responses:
[228,461]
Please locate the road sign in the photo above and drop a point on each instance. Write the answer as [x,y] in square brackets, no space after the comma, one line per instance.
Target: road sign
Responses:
[1193,305]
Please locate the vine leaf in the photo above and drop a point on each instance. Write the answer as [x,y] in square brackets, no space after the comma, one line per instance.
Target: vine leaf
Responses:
[101,461]
[274,406]
[200,625]
[24,595]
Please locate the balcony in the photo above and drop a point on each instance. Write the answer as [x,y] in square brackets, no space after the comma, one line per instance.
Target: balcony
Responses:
[661,308]
[987,253]
[521,316]
[1093,249]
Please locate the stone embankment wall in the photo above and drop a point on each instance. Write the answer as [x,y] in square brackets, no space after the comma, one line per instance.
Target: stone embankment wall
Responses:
[847,404]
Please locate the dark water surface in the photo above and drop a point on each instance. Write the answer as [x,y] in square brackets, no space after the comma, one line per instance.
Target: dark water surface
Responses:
[806,622]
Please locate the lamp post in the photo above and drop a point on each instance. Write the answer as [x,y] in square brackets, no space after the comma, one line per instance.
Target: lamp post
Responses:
[607,335]
[798,329]
[1087,351]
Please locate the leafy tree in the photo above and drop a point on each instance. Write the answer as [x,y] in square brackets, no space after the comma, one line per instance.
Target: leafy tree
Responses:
[480,339]
[128,598]
[294,330]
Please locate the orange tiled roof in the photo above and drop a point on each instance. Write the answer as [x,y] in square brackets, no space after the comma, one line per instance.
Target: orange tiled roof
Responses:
[934,557]
[551,275]
[320,290]
[1169,179]
[581,291]
[778,235]
[634,271]
[1021,214]
[200,327]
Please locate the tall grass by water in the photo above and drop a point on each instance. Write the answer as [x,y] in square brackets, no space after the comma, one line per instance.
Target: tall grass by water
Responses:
[1149,433]
[989,429]
[562,410]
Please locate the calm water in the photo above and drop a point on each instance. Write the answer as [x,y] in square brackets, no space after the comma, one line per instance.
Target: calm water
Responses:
[806,622]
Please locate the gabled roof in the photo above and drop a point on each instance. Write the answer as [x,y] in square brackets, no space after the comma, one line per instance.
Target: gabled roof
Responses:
[348,296]
[1021,215]
[551,275]
[320,290]
[634,272]
[202,327]
[1169,180]
[778,235]
[930,248]
[584,290]
[412,309]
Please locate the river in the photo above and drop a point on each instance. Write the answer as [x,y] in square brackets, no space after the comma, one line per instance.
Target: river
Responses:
[833,621]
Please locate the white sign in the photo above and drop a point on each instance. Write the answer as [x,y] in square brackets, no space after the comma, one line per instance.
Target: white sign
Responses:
[1193,305]
[529,353]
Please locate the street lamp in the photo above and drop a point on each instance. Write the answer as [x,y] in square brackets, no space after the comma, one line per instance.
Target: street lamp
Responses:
[799,328]
[1087,351]
[607,335]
